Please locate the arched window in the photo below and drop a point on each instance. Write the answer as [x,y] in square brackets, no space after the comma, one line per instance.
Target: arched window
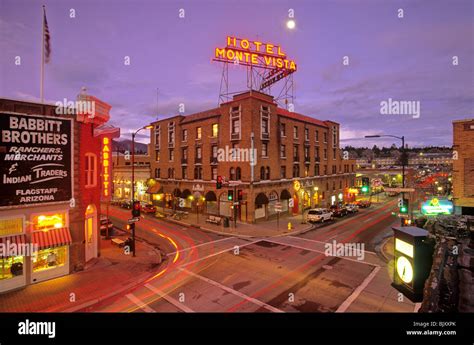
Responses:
[262,173]
[232,174]
[91,170]
[238,173]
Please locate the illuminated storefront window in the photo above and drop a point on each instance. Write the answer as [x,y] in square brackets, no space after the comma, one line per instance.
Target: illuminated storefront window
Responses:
[49,221]
[11,267]
[49,258]
[11,226]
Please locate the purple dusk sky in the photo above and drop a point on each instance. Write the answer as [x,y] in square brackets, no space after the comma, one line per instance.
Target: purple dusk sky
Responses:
[408,59]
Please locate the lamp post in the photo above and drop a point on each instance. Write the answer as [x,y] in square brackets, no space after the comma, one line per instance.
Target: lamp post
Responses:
[133,177]
[402,138]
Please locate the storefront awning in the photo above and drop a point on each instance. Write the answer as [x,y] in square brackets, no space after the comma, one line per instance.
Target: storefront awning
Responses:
[157,188]
[51,238]
[261,199]
[13,239]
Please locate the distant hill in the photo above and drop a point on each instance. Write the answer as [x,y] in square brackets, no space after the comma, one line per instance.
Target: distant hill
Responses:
[126,145]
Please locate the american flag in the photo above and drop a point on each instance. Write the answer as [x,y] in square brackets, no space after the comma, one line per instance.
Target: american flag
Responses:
[47,43]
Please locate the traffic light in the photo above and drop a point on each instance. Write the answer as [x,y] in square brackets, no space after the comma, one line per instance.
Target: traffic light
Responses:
[136,209]
[365,185]
[130,227]
[230,195]
[219,182]
[404,206]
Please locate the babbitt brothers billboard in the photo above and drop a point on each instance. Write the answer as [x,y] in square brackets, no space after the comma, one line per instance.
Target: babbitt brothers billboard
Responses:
[35,159]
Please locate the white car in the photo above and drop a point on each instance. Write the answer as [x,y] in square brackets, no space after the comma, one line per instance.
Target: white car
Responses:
[319,215]
[352,208]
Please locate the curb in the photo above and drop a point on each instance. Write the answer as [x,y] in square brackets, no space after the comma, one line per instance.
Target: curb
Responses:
[382,250]
[308,228]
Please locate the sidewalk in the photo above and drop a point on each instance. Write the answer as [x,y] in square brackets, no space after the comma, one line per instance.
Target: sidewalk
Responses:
[104,277]
[270,228]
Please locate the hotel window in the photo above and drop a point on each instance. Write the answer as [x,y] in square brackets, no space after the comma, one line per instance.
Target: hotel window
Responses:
[306,134]
[198,133]
[282,151]
[283,171]
[282,130]
[157,136]
[325,137]
[334,136]
[296,170]
[185,135]
[215,130]
[171,155]
[264,122]
[325,170]
[316,154]
[184,151]
[333,185]
[235,133]
[325,154]
[334,154]
[157,172]
[171,173]
[214,173]
[317,136]
[264,150]
[238,173]
[262,173]
[198,173]
[334,169]
[157,155]
[306,153]
[295,132]
[316,170]
[267,173]
[171,133]
[184,173]
[232,174]
[91,170]
[296,156]
[198,152]
[306,171]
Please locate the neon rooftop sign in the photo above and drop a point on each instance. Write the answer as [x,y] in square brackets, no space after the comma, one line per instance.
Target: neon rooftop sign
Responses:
[254,54]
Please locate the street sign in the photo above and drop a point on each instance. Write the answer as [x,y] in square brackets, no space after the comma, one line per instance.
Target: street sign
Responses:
[399,190]
[278,207]
[133,220]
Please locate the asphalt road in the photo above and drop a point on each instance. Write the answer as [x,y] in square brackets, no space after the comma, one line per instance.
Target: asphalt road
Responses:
[205,272]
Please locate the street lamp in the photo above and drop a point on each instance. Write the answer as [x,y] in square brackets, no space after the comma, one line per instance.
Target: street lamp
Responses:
[133,176]
[402,138]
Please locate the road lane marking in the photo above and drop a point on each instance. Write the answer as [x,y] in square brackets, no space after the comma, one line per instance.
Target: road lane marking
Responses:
[234,292]
[200,245]
[220,252]
[347,303]
[320,252]
[322,242]
[139,303]
[170,299]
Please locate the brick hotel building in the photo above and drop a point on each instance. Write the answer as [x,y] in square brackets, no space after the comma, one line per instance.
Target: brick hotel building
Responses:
[298,162]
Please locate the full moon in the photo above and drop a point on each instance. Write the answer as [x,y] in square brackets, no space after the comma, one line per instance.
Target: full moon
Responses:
[290,24]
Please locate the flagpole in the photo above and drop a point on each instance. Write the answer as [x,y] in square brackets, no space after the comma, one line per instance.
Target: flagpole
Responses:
[42,60]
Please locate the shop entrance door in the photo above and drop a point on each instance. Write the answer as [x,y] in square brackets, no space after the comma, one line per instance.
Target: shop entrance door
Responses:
[90,232]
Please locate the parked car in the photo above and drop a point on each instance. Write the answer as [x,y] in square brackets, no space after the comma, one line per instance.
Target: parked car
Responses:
[318,215]
[364,203]
[338,210]
[148,208]
[126,204]
[351,208]
[104,224]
